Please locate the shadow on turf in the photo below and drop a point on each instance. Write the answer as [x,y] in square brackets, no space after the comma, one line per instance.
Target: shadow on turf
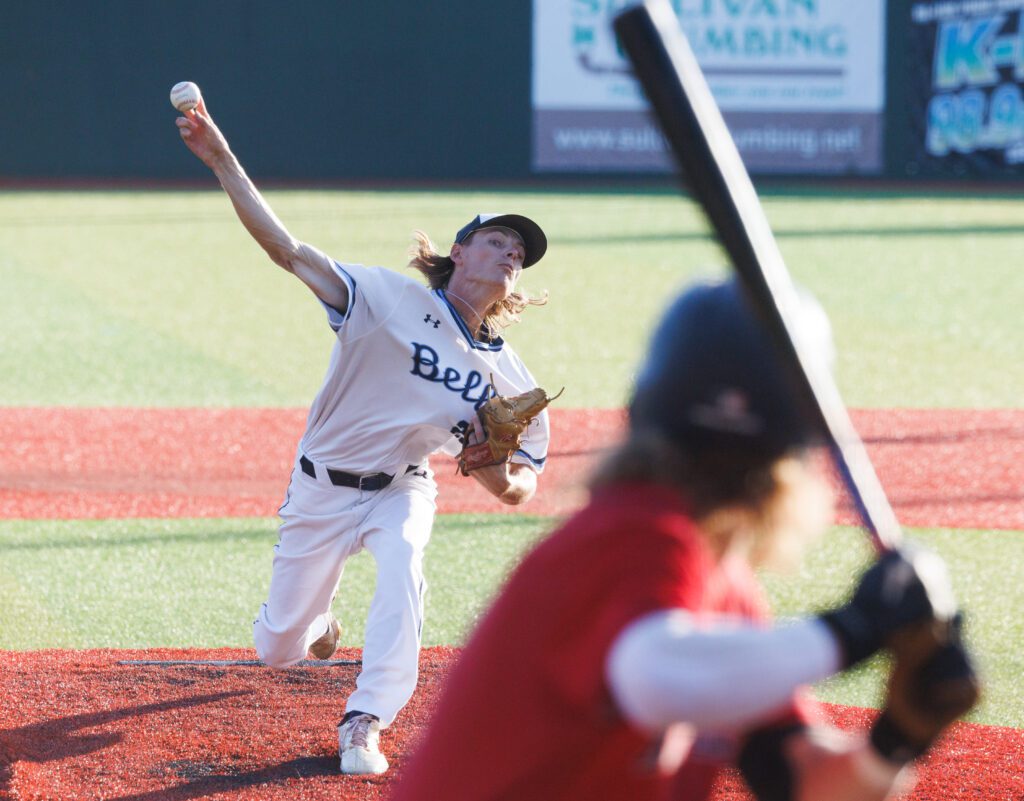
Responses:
[79,541]
[55,739]
[207,778]
[810,233]
[912,501]
[1001,434]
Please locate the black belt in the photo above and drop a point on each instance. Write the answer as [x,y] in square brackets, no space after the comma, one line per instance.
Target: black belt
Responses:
[339,478]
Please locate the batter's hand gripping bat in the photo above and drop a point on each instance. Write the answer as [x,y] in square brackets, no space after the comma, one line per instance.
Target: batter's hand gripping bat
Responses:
[715,175]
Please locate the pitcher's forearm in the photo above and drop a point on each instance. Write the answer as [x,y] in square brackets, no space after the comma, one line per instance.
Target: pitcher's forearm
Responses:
[304,261]
[510,483]
[254,212]
[309,265]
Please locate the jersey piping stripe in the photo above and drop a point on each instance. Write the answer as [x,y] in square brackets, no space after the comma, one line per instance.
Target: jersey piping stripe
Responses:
[336,318]
[497,344]
[536,462]
[287,497]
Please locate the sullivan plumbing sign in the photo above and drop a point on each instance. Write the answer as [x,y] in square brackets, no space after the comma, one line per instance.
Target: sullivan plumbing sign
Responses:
[800,83]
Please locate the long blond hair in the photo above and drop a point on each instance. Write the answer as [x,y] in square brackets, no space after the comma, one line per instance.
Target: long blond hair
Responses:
[438,269]
[780,504]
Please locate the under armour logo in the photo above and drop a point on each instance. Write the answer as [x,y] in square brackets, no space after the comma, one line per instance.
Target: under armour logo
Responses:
[429,319]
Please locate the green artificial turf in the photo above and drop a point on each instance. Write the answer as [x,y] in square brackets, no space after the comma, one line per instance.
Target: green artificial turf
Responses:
[987,571]
[147,583]
[162,299]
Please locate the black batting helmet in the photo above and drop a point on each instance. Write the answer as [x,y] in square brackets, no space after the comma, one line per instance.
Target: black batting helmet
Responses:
[713,378]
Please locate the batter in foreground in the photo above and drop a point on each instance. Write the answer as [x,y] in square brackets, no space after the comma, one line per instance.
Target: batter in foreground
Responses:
[630,655]
[411,368]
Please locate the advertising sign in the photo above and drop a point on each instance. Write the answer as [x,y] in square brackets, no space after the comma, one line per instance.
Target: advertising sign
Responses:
[800,83]
[967,109]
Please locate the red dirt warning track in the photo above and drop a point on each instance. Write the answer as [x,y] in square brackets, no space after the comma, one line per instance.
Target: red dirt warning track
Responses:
[87,727]
[955,468]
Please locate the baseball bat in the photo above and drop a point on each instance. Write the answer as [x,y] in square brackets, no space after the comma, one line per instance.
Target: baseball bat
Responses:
[715,175]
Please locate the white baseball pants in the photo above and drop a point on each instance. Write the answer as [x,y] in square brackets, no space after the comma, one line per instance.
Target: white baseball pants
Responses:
[322,526]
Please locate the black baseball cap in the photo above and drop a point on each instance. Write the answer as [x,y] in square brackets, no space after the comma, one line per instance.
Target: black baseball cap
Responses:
[713,377]
[534,241]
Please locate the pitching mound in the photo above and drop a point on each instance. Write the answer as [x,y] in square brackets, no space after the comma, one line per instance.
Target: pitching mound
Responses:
[86,725]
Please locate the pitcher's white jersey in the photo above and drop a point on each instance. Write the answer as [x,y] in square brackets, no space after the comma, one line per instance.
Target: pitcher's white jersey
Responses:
[405,377]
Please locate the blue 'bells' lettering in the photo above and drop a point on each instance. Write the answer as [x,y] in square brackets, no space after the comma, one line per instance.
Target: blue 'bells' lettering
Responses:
[425,364]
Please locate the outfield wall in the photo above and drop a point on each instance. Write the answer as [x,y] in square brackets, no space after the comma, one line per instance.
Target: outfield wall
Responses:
[411,90]
[391,89]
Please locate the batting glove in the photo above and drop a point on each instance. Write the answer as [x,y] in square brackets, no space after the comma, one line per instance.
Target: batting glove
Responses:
[904,587]
[932,684]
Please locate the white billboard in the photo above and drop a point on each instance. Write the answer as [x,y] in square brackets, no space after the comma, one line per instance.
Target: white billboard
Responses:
[800,82]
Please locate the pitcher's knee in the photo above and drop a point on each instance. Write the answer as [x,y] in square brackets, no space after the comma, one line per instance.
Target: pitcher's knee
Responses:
[278,659]
[279,649]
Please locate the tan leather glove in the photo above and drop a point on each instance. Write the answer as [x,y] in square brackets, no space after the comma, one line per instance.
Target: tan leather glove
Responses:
[504,420]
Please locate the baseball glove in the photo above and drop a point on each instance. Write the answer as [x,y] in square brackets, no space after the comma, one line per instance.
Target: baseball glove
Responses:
[503,419]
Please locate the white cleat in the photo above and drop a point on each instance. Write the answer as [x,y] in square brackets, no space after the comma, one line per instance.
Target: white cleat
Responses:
[359,746]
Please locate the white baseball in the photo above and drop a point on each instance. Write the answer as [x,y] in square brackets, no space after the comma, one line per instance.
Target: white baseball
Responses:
[185,96]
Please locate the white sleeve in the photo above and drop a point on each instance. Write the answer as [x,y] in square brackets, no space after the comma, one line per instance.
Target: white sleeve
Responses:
[373,295]
[336,318]
[664,669]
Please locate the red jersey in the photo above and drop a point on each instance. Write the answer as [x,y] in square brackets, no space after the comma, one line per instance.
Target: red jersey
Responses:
[526,713]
